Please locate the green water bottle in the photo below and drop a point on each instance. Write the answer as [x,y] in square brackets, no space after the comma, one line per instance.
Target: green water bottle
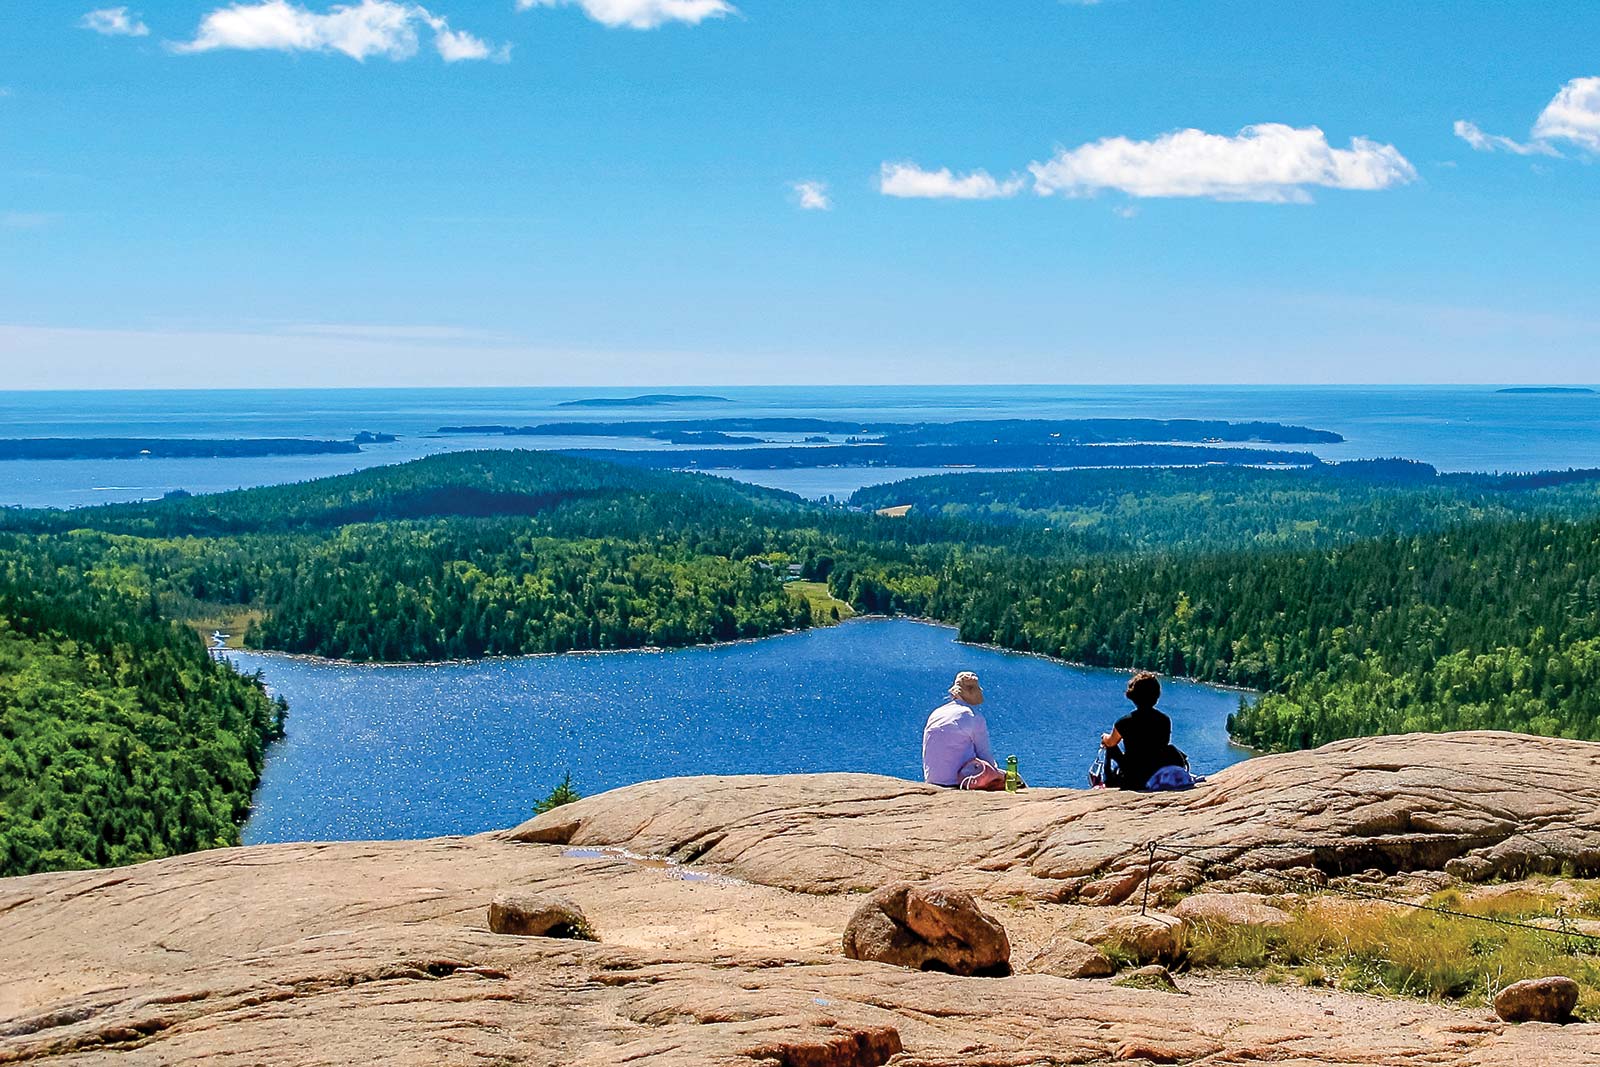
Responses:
[1013,779]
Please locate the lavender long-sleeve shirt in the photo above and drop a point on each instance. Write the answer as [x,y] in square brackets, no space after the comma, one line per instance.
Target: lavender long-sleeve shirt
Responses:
[956,735]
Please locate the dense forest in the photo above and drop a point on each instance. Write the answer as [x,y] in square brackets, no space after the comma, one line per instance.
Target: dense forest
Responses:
[120,738]
[1358,599]
[460,556]
[1368,600]
[1218,508]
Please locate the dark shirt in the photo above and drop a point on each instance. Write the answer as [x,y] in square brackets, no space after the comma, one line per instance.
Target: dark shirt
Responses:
[1146,737]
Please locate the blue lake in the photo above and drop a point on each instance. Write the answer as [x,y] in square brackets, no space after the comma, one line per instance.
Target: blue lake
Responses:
[399,752]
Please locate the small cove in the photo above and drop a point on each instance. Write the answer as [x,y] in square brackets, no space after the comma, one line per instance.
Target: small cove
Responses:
[391,752]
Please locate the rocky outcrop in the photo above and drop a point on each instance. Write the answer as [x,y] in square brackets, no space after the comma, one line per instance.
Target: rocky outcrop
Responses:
[928,928]
[1537,1000]
[360,953]
[1399,804]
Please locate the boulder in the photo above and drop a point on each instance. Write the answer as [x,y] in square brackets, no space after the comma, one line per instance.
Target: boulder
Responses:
[928,928]
[1230,909]
[539,915]
[1066,958]
[1147,938]
[1537,1000]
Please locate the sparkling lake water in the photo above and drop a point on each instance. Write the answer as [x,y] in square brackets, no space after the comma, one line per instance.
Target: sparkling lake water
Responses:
[417,751]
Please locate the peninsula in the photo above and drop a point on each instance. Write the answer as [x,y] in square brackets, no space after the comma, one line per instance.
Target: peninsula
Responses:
[175,448]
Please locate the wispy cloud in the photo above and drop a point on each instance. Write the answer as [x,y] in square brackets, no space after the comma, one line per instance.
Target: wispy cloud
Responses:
[1491,142]
[114,22]
[1270,163]
[909,181]
[1572,117]
[372,28]
[812,196]
[641,14]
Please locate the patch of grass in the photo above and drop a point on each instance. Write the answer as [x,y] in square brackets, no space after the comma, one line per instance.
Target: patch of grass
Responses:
[825,608]
[233,620]
[1120,953]
[1389,949]
[1159,981]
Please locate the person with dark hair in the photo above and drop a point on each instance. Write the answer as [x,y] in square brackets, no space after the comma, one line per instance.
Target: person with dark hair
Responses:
[1140,744]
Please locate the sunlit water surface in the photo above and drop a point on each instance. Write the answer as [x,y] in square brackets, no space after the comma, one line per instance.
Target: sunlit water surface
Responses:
[400,752]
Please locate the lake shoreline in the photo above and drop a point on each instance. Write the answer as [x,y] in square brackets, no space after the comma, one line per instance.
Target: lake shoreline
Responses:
[306,657]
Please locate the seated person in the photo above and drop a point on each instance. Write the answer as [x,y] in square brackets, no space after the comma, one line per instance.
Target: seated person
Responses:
[955,743]
[1141,742]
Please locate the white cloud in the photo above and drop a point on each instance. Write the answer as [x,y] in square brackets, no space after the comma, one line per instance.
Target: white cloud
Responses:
[907,180]
[1574,115]
[1492,142]
[641,14]
[384,28]
[1270,162]
[813,196]
[114,22]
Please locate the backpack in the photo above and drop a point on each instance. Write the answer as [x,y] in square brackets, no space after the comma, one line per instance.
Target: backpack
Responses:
[1171,780]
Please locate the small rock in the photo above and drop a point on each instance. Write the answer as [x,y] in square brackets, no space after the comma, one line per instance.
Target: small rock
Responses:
[1067,958]
[1148,938]
[539,915]
[928,928]
[1152,977]
[1537,1000]
[1470,868]
[1232,909]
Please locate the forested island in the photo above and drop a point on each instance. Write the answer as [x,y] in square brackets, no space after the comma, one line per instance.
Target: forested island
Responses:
[1356,598]
[177,448]
[965,432]
[974,455]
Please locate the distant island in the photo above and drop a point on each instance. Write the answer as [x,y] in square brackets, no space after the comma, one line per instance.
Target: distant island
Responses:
[1546,389]
[998,456]
[177,448]
[1041,432]
[645,401]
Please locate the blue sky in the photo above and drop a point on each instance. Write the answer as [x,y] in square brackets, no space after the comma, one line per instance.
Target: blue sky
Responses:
[482,192]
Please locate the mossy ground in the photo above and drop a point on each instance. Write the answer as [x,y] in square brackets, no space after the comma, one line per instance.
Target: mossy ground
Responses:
[825,608]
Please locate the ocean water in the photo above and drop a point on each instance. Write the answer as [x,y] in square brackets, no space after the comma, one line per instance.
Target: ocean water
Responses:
[386,752]
[1455,428]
